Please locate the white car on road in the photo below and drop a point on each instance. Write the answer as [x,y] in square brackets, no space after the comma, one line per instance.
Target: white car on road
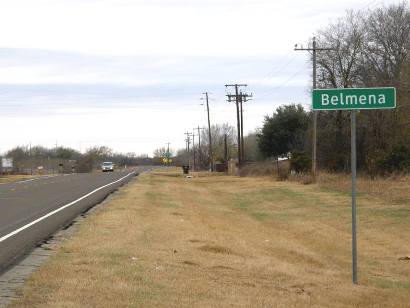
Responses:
[107,166]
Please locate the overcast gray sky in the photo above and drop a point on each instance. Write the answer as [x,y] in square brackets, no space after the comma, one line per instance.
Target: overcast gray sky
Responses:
[129,74]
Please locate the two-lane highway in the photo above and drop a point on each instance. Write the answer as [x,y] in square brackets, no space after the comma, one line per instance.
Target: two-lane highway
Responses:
[32,210]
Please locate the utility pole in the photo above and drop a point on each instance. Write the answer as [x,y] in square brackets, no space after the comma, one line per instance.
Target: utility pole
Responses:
[31,160]
[243,98]
[211,156]
[188,142]
[199,146]
[226,150]
[239,98]
[193,149]
[168,155]
[314,49]
[241,111]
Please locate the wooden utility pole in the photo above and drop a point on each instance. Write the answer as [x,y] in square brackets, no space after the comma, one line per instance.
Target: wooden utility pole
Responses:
[226,149]
[243,98]
[168,154]
[313,49]
[193,150]
[239,98]
[188,142]
[242,148]
[211,156]
[199,146]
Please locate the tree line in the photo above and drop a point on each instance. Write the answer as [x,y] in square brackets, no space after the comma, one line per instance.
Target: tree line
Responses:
[369,49]
[366,49]
[27,159]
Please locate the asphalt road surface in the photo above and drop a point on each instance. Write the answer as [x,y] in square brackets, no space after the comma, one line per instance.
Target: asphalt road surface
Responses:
[32,210]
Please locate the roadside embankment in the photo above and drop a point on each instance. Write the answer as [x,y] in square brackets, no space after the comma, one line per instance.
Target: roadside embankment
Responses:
[217,241]
[14,178]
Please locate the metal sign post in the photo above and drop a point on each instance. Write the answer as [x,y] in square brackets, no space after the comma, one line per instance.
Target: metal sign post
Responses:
[354,99]
[353,167]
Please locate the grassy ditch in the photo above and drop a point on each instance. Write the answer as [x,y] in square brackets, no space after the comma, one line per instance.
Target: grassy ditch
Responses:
[394,189]
[219,241]
[14,178]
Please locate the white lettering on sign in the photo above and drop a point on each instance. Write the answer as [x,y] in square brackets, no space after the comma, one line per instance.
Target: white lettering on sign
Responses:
[363,100]
[342,99]
[325,99]
[350,99]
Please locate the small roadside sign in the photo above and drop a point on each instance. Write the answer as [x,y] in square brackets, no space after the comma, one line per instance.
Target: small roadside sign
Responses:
[354,98]
[7,163]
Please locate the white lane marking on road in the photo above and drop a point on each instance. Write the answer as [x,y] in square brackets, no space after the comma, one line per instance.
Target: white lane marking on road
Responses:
[35,179]
[5,237]
[19,182]
[25,181]
[50,176]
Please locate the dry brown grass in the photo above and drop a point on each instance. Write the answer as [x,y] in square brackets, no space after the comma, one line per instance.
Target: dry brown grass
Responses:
[266,168]
[258,169]
[219,241]
[393,189]
[14,178]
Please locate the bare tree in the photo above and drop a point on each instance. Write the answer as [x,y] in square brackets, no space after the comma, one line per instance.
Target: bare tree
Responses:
[218,132]
[338,68]
[387,42]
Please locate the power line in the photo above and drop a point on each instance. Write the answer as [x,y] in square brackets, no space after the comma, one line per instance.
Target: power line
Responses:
[278,70]
[281,85]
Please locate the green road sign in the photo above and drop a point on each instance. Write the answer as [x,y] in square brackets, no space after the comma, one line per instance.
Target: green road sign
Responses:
[350,99]
[354,98]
